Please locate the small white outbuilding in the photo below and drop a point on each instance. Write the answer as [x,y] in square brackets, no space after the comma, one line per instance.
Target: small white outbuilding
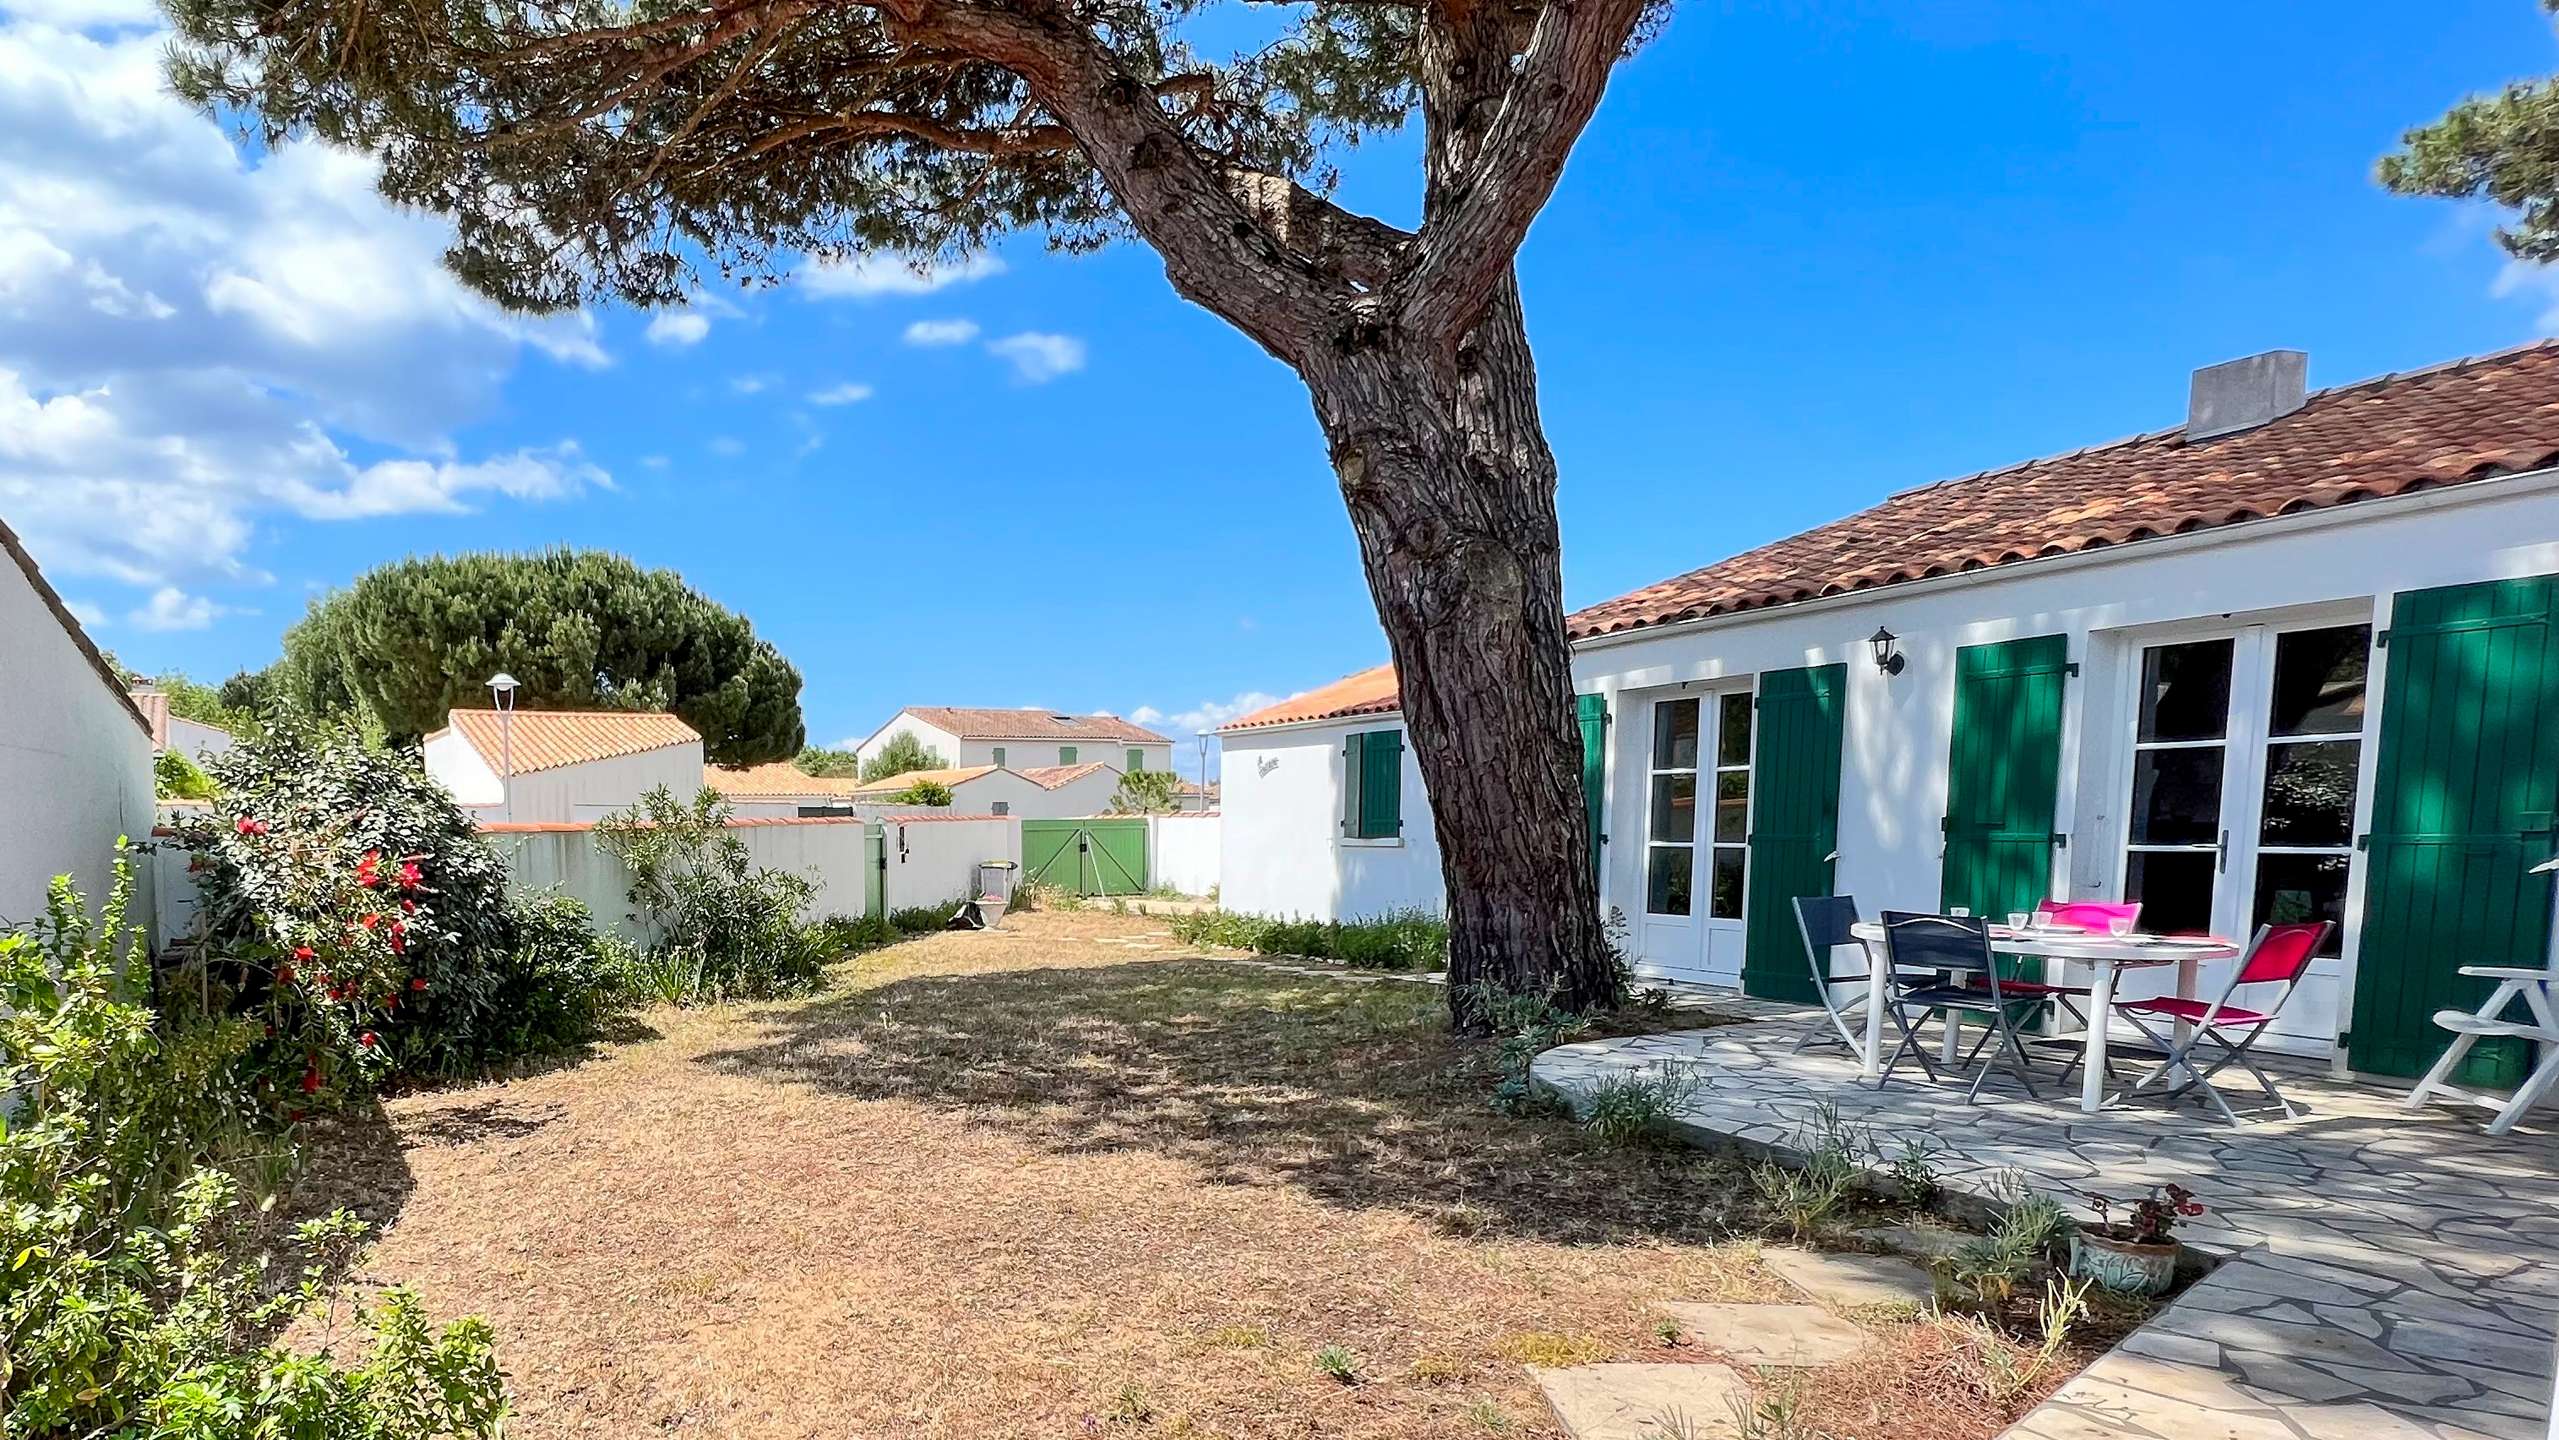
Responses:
[549,766]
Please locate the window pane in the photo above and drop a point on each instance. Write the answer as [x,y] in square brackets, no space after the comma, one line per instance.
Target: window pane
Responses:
[1732,806]
[1674,808]
[1669,879]
[2185,691]
[1675,735]
[2310,793]
[2176,797]
[1732,737]
[2294,888]
[2175,890]
[1727,896]
[2319,681]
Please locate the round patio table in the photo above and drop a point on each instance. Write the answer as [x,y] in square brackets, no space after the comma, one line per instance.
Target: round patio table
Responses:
[2104,955]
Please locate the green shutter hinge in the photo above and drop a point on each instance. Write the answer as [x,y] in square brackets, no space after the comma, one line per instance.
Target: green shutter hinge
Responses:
[2070,667]
[2379,642]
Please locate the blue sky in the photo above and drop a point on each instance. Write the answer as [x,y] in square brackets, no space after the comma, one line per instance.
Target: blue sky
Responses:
[1807,255]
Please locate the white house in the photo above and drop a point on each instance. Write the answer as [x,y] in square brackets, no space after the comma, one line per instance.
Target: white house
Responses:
[2297,658]
[1049,792]
[1023,739]
[75,753]
[562,765]
[192,738]
[779,789]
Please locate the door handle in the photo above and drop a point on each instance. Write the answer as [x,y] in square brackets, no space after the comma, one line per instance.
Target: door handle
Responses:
[2221,854]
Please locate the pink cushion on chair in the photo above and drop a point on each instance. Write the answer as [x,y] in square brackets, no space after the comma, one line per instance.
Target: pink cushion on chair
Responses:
[2089,914]
[2193,1011]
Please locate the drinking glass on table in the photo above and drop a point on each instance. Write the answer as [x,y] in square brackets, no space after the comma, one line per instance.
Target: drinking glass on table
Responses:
[2019,919]
[2119,926]
[1959,911]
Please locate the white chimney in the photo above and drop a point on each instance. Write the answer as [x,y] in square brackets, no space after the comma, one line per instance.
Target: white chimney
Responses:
[2244,394]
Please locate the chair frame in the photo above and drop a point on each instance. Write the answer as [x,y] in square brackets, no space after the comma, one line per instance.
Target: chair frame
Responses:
[1836,1013]
[2181,1055]
[1922,984]
[2537,988]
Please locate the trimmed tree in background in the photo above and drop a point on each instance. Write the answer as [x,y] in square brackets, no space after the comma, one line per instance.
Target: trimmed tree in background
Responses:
[2503,148]
[613,148]
[578,629]
[902,755]
[829,764]
[1147,792]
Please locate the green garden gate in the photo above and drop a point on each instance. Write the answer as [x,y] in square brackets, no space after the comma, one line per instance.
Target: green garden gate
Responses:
[1086,857]
[875,871]
[2465,803]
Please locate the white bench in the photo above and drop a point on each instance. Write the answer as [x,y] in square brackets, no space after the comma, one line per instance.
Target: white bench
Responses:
[2536,988]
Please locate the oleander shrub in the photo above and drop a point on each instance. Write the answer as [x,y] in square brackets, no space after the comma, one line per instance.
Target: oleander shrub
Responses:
[721,926]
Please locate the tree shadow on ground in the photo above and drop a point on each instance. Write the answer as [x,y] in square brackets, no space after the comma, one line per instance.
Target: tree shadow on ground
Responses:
[1355,1094]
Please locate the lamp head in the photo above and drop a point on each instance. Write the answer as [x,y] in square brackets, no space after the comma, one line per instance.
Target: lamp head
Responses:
[1887,659]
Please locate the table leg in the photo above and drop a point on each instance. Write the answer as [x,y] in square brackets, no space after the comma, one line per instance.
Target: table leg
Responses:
[1952,1047]
[1878,995]
[2101,1006]
[2185,1032]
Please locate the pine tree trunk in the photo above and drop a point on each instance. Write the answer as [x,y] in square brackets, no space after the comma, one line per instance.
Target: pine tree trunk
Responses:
[1451,488]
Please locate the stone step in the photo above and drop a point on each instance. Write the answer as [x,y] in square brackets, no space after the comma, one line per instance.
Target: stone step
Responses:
[1645,1402]
[1799,1336]
[1848,1281]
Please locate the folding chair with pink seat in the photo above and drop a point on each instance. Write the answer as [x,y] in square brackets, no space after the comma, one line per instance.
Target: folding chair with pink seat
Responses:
[2093,916]
[2279,955]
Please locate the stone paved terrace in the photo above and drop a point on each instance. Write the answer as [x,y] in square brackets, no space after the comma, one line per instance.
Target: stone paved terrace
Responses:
[2389,1273]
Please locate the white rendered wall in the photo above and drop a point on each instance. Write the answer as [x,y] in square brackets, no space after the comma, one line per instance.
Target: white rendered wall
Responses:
[1283,852]
[939,741]
[1183,851]
[1018,754]
[197,740]
[588,791]
[934,860]
[456,766]
[75,764]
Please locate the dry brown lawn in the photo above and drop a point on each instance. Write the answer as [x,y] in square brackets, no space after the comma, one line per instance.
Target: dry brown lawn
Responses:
[1053,1181]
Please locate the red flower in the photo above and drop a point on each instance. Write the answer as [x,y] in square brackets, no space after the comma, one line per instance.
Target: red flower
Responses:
[368,871]
[310,1081]
[246,826]
[283,974]
[368,1039]
[2191,1207]
[391,1001]
[370,921]
[418,984]
[410,874]
[302,952]
[408,905]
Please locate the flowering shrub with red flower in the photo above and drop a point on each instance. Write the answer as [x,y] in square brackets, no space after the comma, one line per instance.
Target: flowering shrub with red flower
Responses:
[2153,1218]
[344,894]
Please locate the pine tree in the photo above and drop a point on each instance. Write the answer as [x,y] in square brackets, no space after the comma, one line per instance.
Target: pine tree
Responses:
[2503,148]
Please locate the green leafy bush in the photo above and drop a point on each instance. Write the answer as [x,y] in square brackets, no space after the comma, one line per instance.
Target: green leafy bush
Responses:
[923,792]
[175,777]
[128,1305]
[902,755]
[1396,940]
[348,903]
[726,927]
[921,919]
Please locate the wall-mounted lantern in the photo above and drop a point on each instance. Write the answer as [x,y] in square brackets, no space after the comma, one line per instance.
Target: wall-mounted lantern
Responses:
[1887,658]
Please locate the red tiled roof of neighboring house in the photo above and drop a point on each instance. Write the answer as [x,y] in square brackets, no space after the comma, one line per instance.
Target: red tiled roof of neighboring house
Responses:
[154,705]
[69,622]
[1370,692]
[549,739]
[950,778]
[777,780]
[1050,777]
[2467,421]
[982,724]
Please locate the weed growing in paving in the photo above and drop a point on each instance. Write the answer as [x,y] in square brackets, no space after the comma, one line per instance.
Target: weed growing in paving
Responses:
[1775,1413]
[2008,1370]
[1834,1161]
[1988,1271]
[1672,1424]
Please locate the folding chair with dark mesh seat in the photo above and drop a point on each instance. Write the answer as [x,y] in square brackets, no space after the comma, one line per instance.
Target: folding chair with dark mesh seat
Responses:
[1825,922]
[2279,955]
[1942,965]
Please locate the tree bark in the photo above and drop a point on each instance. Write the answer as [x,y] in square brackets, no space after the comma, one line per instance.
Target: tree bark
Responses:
[1451,488]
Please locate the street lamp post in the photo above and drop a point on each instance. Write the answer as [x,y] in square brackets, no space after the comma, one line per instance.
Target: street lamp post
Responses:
[502,692]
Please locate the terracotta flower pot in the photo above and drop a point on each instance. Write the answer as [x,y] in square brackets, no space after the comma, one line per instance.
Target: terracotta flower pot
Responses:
[2123,1266]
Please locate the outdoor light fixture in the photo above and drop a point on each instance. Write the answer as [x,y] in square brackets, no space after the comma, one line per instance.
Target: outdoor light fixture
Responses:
[1887,659]
[502,693]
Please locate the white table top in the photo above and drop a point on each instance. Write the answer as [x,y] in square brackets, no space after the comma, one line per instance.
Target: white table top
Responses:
[2087,945]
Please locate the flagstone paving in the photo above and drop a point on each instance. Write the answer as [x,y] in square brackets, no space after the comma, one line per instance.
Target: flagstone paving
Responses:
[1849,1281]
[2386,1272]
[1789,1335]
[1645,1402]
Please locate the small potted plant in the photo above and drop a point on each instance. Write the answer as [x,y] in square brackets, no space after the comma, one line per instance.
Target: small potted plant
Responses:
[2139,1255]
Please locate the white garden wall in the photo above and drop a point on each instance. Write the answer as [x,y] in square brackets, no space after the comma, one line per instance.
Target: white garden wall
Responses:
[933,859]
[1183,851]
[1282,850]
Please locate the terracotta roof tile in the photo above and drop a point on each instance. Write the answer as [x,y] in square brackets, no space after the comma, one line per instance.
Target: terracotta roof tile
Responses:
[981,724]
[953,777]
[778,780]
[1050,777]
[154,705]
[1370,692]
[548,739]
[2470,420]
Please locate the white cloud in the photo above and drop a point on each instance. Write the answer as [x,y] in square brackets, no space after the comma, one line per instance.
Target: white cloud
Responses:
[751,384]
[1207,715]
[727,445]
[190,341]
[90,614]
[171,608]
[84,14]
[941,332]
[846,394]
[655,462]
[1038,357]
[678,329]
[893,274]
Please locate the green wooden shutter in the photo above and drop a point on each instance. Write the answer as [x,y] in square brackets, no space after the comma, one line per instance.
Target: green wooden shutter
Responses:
[1136,760]
[1591,712]
[999,757]
[2465,802]
[2003,774]
[1065,754]
[1794,822]
[1381,785]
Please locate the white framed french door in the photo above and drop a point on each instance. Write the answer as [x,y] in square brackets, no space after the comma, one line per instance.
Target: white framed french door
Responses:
[2242,785]
[1697,815]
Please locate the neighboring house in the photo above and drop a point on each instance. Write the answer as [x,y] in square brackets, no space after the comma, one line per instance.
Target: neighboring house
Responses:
[1024,739]
[192,738]
[1049,792]
[75,752]
[562,765]
[779,789]
[2298,658]
[1195,797]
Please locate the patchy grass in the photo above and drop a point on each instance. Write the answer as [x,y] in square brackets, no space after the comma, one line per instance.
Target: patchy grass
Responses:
[1040,1181]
